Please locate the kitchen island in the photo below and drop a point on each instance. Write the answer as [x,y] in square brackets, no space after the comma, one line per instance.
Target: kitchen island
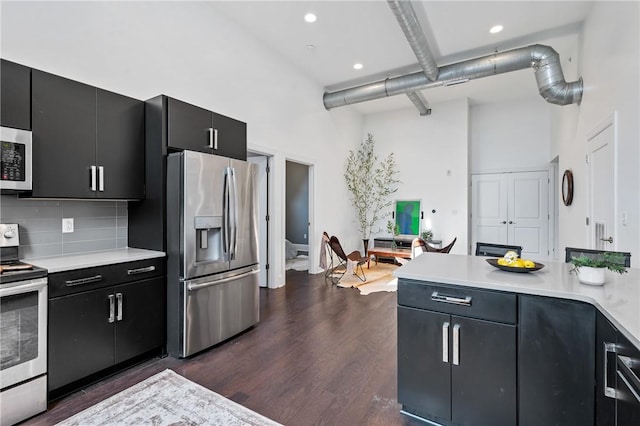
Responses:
[477,345]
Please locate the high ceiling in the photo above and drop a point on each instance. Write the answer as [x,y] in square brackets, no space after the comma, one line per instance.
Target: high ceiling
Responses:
[367,32]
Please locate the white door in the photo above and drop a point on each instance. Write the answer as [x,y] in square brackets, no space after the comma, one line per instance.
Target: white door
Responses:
[528,213]
[512,208]
[263,212]
[601,171]
[489,208]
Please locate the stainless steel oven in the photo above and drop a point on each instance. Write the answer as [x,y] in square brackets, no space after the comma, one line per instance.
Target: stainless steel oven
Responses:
[15,160]
[23,333]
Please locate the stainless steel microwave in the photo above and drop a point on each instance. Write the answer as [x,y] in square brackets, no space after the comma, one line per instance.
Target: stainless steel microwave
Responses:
[15,160]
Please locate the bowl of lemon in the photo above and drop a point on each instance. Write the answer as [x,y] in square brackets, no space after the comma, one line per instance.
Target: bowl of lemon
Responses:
[511,262]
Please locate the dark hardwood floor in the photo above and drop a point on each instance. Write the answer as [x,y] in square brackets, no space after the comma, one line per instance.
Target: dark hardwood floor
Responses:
[320,355]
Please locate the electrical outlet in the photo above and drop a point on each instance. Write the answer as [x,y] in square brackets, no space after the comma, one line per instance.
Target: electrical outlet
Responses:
[304,236]
[67,225]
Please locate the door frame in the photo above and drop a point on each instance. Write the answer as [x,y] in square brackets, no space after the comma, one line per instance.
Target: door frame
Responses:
[610,121]
[314,252]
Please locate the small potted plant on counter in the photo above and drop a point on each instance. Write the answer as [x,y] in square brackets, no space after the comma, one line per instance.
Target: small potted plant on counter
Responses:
[590,270]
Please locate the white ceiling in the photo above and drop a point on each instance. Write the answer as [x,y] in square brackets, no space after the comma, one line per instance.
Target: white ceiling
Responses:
[347,32]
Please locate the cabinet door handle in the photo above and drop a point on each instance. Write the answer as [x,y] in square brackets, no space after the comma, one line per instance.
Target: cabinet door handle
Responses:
[100,178]
[608,390]
[141,270]
[93,178]
[119,298]
[112,309]
[456,344]
[213,138]
[86,280]
[445,342]
[437,297]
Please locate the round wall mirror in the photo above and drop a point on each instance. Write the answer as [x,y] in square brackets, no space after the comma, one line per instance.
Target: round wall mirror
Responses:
[567,187]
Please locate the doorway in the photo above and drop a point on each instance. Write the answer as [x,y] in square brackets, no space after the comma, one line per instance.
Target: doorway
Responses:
[512,208]
[263,186]
[297,216]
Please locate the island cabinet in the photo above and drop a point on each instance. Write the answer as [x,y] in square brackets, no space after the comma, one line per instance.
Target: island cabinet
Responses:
[102,317]
[87,142]
[556,361]
[15,86]
[457,354]
[617,377]
[197,129]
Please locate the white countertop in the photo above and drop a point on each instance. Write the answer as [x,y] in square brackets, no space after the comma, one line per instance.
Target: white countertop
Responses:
[67,262]
[618,299]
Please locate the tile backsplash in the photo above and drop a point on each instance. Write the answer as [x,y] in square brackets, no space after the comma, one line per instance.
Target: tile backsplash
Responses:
[98,225]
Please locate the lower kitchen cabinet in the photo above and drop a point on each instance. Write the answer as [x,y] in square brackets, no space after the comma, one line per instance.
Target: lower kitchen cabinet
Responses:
[556,362]
[452,368]
[99,323]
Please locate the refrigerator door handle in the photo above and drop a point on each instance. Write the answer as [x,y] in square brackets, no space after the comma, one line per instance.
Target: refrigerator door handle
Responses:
[193,287]
[225,215]
[234,239]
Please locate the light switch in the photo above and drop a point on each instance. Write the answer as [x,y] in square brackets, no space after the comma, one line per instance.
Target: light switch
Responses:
[67,225]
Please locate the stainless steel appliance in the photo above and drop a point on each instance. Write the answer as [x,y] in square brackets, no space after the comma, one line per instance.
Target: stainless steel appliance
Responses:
[212,244]
[23,333]
[15,160]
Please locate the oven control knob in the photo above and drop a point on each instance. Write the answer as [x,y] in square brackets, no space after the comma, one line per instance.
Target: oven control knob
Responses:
[10,234]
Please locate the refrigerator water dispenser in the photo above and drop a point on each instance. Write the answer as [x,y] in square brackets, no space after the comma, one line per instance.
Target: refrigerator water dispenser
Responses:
[208,238]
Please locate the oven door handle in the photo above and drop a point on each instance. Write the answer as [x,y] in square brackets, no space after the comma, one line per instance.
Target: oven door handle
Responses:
[34,285]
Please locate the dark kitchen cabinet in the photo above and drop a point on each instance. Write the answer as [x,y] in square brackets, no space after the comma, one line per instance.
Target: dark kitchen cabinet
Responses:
[617,377]
[15,95]
[87,142]
[454,368]
[102,317]
[556,362]
[197,129]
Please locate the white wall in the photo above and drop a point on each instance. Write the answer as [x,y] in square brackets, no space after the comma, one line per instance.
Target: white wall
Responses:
[191,51]
[610,68]
[510,135]
[432,156]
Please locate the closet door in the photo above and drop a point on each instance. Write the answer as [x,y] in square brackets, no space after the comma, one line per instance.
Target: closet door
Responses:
[489,209]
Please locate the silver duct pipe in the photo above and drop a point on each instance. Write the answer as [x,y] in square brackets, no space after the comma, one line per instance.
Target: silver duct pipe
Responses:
[412,30]
[543,59]
[420,102]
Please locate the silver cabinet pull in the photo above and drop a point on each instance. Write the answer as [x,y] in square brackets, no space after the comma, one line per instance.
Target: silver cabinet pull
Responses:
[437,297]
[445,342]
[456,344]
[100,178]
[210,133]
[112,309]
[93,178]
[629,386]
[80,281]
[141,270]
[119,298]
[215,138]
[608,390]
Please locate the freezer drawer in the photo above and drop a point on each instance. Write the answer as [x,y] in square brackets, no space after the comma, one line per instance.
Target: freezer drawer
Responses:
[218,307]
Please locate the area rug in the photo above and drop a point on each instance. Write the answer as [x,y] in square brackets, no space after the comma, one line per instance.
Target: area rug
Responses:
[299,263]
[167,399]
[378,278]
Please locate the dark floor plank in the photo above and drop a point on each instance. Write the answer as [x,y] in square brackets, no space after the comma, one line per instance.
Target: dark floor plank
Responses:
[321,355]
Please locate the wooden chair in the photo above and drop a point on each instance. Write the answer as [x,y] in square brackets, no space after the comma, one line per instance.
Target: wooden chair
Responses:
[343,259]
[571,252]
[496,250]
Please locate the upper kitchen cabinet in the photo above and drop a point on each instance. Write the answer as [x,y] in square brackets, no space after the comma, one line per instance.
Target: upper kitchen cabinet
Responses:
[87,142]
[15,90]
[193,128]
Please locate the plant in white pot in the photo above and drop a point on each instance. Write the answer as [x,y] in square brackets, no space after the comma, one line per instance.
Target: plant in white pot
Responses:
[591,270]
[370,184]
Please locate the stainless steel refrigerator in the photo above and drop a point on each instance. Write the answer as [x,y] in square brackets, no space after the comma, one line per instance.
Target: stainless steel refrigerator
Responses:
[212,245]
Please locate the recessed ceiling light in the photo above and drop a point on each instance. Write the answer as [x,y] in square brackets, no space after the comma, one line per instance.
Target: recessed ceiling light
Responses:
[311,46]
[357,66]
[310,17]
[496,29]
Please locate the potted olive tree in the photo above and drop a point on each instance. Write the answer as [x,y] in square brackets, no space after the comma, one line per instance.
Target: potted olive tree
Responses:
[370,183]
[590,270]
